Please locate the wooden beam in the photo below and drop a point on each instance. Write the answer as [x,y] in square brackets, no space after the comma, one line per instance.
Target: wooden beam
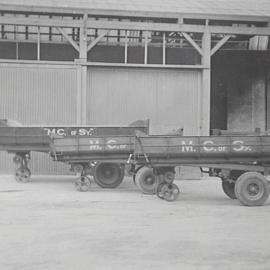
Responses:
[38,44]
[164,49]
[158,66]
[145,47]
[240,30]
[79,97]
[126,47]
[35,63]
[84,94]
[193,43]
[40,22]
[174,27]
[68,38]
[94,42]
[204,112]
[180,20]
[83,39]
[83,68]
[17,51]
[131,13]
[176,15]
[78,62]
[144,26]
[220,44]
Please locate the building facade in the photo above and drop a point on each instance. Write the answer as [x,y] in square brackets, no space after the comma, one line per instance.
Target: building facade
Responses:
[197,66]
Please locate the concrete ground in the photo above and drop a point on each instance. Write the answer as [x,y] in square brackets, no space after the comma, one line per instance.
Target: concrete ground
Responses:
[46,224]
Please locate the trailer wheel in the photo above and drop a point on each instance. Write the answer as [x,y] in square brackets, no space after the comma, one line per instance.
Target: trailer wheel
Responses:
[23,175]
[228,188]
[134,175]
[252,189]
[168,192]
[109,175]
[82,184]
[146,180]
[169,177]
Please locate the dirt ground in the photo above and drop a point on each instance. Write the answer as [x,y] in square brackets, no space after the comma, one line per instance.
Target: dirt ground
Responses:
[46,224]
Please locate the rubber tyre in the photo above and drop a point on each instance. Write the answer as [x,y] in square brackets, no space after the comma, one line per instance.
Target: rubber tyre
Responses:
[23,175]
[83,184]
[134,175]
[109,175]
[168,192]
[146,180]
[228,188]
[252,189]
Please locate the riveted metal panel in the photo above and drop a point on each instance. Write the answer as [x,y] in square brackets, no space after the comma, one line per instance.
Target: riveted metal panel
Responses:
[37,95]
[169,98]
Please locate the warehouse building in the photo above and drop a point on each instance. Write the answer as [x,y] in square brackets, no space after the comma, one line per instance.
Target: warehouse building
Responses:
[193,65]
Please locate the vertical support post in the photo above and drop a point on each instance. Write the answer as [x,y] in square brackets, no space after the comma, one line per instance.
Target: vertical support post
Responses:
[79,97]
[126,47]
[266,103]
[82,74]
[17,50]
[83,39]
[164,49]
[266,95]
[38,43]
[145,47]
[206,84]
[83,93]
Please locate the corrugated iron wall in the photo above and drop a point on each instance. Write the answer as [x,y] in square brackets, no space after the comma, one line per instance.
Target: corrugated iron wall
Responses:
[37,94]
[169,98]
[47,94]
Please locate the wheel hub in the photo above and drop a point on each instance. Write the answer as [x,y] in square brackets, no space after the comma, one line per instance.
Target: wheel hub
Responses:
[149,180]
[253,189]
[108,173]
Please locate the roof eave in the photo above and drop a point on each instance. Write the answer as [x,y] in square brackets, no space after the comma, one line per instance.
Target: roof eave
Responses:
[131,13]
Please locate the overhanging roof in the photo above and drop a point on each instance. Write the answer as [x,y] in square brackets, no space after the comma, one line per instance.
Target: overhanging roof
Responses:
[166,8]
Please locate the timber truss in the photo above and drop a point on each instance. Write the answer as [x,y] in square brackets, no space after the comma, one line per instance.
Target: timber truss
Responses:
[84,31]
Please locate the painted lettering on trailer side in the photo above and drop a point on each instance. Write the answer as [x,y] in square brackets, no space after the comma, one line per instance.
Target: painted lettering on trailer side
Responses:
[187,147]
[218,146]
[68,131]
[108,144]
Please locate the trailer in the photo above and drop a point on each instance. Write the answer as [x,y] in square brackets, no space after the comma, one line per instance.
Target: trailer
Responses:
[21,140]
[241,162]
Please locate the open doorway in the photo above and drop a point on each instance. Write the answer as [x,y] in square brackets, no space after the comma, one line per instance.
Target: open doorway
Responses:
[239,91]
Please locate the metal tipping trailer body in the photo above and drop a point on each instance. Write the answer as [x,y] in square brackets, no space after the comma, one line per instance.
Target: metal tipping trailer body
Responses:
[202,149]
[37,138]
[155,157]
[165,150]
[21,140]
[108,148]
[24,139]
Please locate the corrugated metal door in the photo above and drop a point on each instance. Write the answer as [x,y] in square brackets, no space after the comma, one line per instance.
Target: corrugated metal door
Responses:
[169,98]
[34,94]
